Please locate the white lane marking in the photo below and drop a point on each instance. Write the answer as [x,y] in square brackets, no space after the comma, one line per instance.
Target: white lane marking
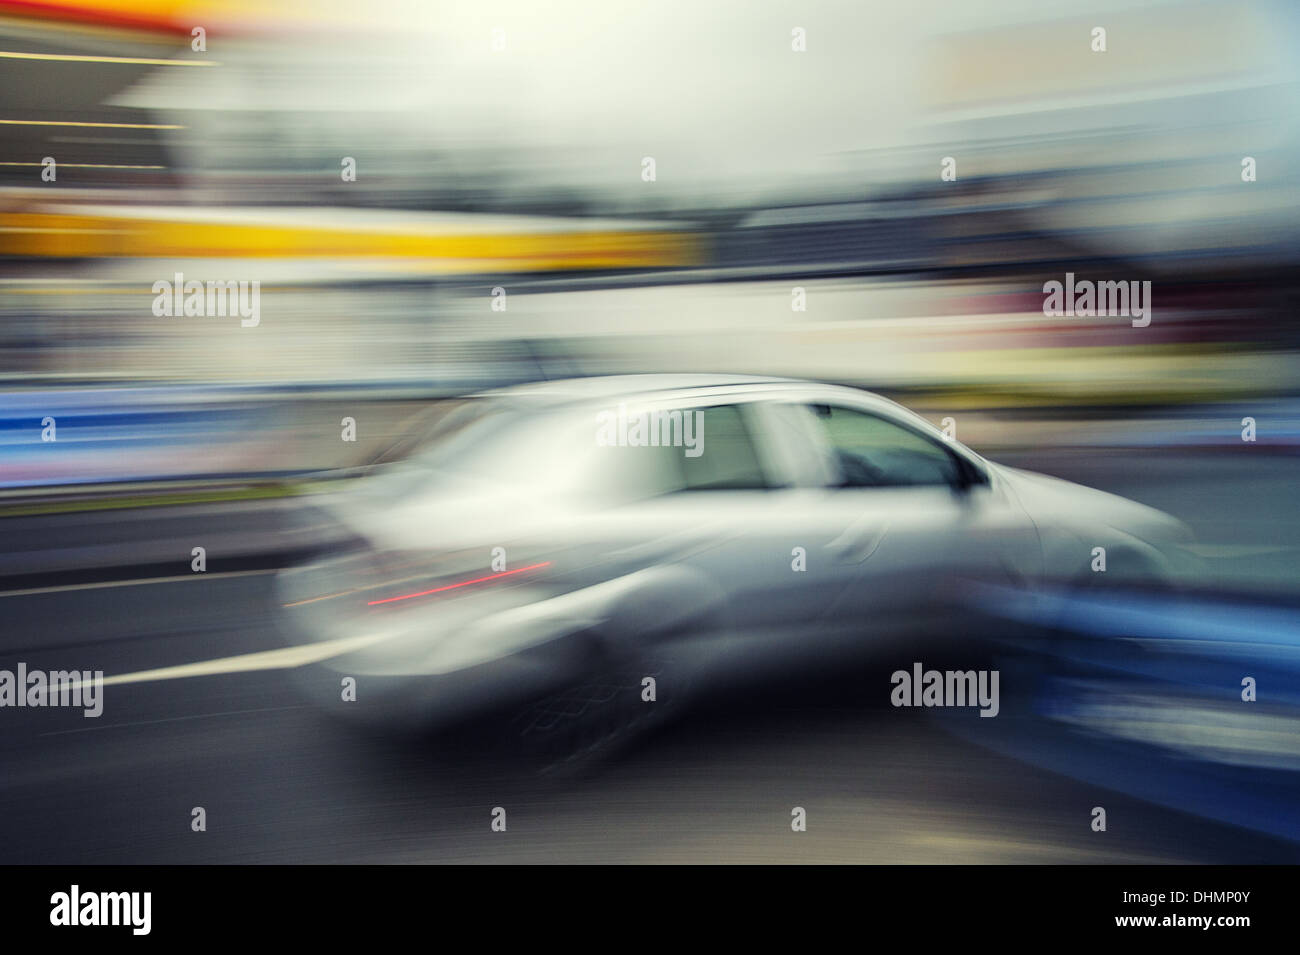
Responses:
[136,582]
[282,659]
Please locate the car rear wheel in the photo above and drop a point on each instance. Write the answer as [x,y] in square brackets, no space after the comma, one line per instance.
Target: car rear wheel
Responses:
[618,702]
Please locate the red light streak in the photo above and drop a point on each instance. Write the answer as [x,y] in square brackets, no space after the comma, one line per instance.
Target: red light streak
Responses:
[463,583]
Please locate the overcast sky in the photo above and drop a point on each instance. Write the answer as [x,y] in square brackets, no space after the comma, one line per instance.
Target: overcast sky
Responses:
[710,88]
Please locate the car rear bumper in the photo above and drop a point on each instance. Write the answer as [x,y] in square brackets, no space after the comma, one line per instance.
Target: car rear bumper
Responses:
[352,688]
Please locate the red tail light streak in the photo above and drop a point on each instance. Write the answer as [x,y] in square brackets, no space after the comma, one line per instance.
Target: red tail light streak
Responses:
[463,583]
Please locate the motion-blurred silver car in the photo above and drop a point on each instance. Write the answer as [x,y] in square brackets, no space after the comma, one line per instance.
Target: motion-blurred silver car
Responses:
[602,543]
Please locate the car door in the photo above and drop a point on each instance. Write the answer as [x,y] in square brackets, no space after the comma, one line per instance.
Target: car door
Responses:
[737,518]
[918,520]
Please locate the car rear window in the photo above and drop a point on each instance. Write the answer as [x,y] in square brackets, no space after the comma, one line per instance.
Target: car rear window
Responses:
[727,460]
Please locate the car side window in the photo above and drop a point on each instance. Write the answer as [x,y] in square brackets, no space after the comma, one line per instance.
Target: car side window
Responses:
[871,451]
[634,473]
[727,458]
[698,449]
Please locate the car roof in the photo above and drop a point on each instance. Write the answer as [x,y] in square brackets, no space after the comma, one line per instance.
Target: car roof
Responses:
[562,394]
[607,387]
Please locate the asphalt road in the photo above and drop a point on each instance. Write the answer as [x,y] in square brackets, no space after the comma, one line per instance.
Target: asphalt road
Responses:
[282,782]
